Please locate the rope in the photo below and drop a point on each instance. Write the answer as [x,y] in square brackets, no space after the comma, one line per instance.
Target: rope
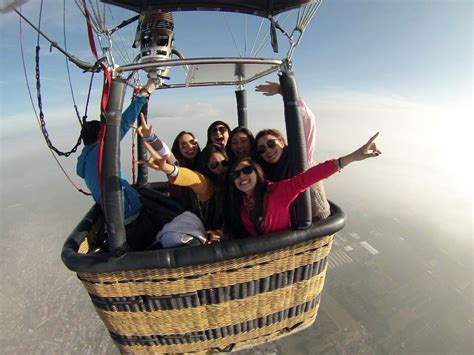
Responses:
[134,161]
[245,37]
[80,63]
[104,101]
[88,97]
[232,34]
[125,57]
[107,75]
[36,113]
[67,65]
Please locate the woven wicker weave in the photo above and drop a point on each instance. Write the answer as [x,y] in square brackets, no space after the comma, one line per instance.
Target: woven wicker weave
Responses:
[222,306]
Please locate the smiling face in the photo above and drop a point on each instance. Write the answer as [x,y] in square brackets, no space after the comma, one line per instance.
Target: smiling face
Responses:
[245,177]
[217,163]
[188,146]
[270,148]
[240,145]
[219,135]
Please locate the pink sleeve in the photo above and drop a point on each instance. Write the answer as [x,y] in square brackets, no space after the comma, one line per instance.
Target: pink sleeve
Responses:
[309,126]
[287,190]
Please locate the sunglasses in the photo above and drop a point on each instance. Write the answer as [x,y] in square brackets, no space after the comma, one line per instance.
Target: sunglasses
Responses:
[220,129]
[246,171]
[191,143]
[262,148]
[224,163]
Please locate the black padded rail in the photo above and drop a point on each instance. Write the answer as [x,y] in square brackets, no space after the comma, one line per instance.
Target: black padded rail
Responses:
[146,303]
[188,256]
[216,333]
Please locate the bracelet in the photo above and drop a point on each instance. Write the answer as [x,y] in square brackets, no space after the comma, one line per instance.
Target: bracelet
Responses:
[339,164]
[173,173]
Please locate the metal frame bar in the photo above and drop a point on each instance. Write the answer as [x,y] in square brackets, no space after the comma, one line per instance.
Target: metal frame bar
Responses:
[203,60]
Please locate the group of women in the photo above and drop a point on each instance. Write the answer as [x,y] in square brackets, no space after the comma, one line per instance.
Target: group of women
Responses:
[239,185]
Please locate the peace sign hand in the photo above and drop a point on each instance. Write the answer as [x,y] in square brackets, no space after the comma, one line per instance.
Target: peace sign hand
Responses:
[143,130]
[156,161]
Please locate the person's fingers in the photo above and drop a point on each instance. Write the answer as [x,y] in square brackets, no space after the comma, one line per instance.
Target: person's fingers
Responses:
[373,138]
[152,151]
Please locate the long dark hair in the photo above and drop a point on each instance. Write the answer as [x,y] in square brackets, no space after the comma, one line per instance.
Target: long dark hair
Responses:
[236,198]
[281,169]
[90,132]
[211,127]
[203,167]
[176,149]
[245,131]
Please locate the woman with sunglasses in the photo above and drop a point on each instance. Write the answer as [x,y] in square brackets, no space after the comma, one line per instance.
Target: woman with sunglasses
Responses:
[263,206]
[272,152]
[218,133]
[184,152]
[208,183]
[241,143]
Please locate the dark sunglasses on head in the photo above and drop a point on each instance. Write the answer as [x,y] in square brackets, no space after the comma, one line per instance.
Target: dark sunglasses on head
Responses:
[246,171]
[220,129]
[262,148]
[190,143]
[215,164]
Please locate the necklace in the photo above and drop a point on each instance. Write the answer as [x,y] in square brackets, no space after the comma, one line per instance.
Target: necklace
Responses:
[249,202]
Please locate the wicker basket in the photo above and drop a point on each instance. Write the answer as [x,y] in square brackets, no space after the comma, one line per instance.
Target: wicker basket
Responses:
[215,307]
[224,297]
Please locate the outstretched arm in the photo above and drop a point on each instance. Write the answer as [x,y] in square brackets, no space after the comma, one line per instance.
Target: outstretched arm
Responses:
[146,132]
[368,150]
[201,185]
[131,113]
[309,123]
[290,188]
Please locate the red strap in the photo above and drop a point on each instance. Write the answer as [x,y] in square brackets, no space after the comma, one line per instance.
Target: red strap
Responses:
[103,131]
[103,103]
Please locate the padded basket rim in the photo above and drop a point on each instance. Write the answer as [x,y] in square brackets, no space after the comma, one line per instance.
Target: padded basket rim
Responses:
[189,256]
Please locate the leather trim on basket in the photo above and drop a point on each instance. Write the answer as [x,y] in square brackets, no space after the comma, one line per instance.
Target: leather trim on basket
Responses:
[216,333]
[149,303]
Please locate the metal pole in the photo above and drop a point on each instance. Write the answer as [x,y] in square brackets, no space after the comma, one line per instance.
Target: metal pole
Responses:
[241,96]
[301,209]
[142,178]
[111,184]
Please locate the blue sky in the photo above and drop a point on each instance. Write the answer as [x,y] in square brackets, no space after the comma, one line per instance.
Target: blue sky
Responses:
[418,49]
[400,67]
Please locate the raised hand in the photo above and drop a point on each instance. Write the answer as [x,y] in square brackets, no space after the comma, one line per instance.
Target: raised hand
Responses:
[269,89]
[144,130]
[156,161]
[368,150]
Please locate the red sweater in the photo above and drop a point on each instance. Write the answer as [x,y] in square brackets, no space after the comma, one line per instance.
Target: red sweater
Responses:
[280,195]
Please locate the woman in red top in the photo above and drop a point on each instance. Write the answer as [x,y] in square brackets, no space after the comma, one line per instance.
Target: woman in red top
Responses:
[263,205]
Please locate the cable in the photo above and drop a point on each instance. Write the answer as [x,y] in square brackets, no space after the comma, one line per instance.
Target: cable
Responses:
[36,113]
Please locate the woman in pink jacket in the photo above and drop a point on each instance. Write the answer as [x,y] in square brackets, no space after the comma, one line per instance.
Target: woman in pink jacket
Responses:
[263,205]
[273,154]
